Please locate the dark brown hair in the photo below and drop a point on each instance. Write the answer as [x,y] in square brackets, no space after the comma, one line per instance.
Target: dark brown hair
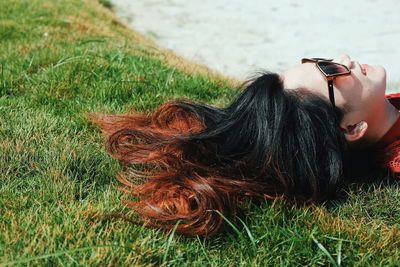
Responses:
[193,162]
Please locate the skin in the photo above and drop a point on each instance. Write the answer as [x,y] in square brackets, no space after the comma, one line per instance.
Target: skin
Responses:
[361,95]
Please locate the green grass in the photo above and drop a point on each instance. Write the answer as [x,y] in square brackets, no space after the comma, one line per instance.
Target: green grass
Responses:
[60,60]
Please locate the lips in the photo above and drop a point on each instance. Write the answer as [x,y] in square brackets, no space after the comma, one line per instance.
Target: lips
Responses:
[364,69]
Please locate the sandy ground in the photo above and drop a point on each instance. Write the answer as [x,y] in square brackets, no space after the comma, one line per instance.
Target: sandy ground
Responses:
[237,37]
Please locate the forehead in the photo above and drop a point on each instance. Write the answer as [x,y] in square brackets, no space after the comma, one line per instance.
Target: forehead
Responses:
[303,76]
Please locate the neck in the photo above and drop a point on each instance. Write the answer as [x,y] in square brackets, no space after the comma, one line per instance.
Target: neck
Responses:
[385,119]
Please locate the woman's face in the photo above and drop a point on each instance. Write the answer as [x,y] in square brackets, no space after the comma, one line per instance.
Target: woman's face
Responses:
[358,94]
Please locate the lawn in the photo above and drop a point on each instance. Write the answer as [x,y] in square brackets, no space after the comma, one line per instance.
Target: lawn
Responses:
[62,59]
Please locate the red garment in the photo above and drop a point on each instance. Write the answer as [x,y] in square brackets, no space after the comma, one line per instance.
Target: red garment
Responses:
[391,140]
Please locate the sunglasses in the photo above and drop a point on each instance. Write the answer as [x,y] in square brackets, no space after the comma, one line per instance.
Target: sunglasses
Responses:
[330,70]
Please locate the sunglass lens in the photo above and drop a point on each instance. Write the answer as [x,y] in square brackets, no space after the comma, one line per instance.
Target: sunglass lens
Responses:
[332,68]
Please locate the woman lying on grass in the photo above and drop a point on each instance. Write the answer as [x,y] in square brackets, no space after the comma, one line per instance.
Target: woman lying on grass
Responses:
[287,136]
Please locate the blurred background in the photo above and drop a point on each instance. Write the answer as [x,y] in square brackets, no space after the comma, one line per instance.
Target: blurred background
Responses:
[237,37]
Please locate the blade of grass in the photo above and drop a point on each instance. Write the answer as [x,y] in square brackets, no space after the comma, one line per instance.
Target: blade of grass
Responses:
[202,248]
[339,253]
[325,251]
[229,222]
[250,235]
[169,241]
[65,61]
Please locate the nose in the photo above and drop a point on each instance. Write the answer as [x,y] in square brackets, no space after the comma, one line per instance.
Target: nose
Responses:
[343,59]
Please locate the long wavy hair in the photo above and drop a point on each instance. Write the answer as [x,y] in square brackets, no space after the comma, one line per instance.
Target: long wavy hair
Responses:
[193,162]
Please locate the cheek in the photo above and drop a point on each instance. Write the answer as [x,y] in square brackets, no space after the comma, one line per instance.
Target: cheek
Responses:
[349,91]
[346,83]
[349,86]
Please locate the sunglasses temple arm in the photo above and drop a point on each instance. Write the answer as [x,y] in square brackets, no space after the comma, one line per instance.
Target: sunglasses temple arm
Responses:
[331,95]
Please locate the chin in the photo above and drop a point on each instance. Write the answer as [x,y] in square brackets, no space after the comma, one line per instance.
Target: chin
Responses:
[381,71]
[379,75]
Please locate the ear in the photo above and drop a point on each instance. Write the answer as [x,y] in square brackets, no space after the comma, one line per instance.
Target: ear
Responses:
[355,132]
